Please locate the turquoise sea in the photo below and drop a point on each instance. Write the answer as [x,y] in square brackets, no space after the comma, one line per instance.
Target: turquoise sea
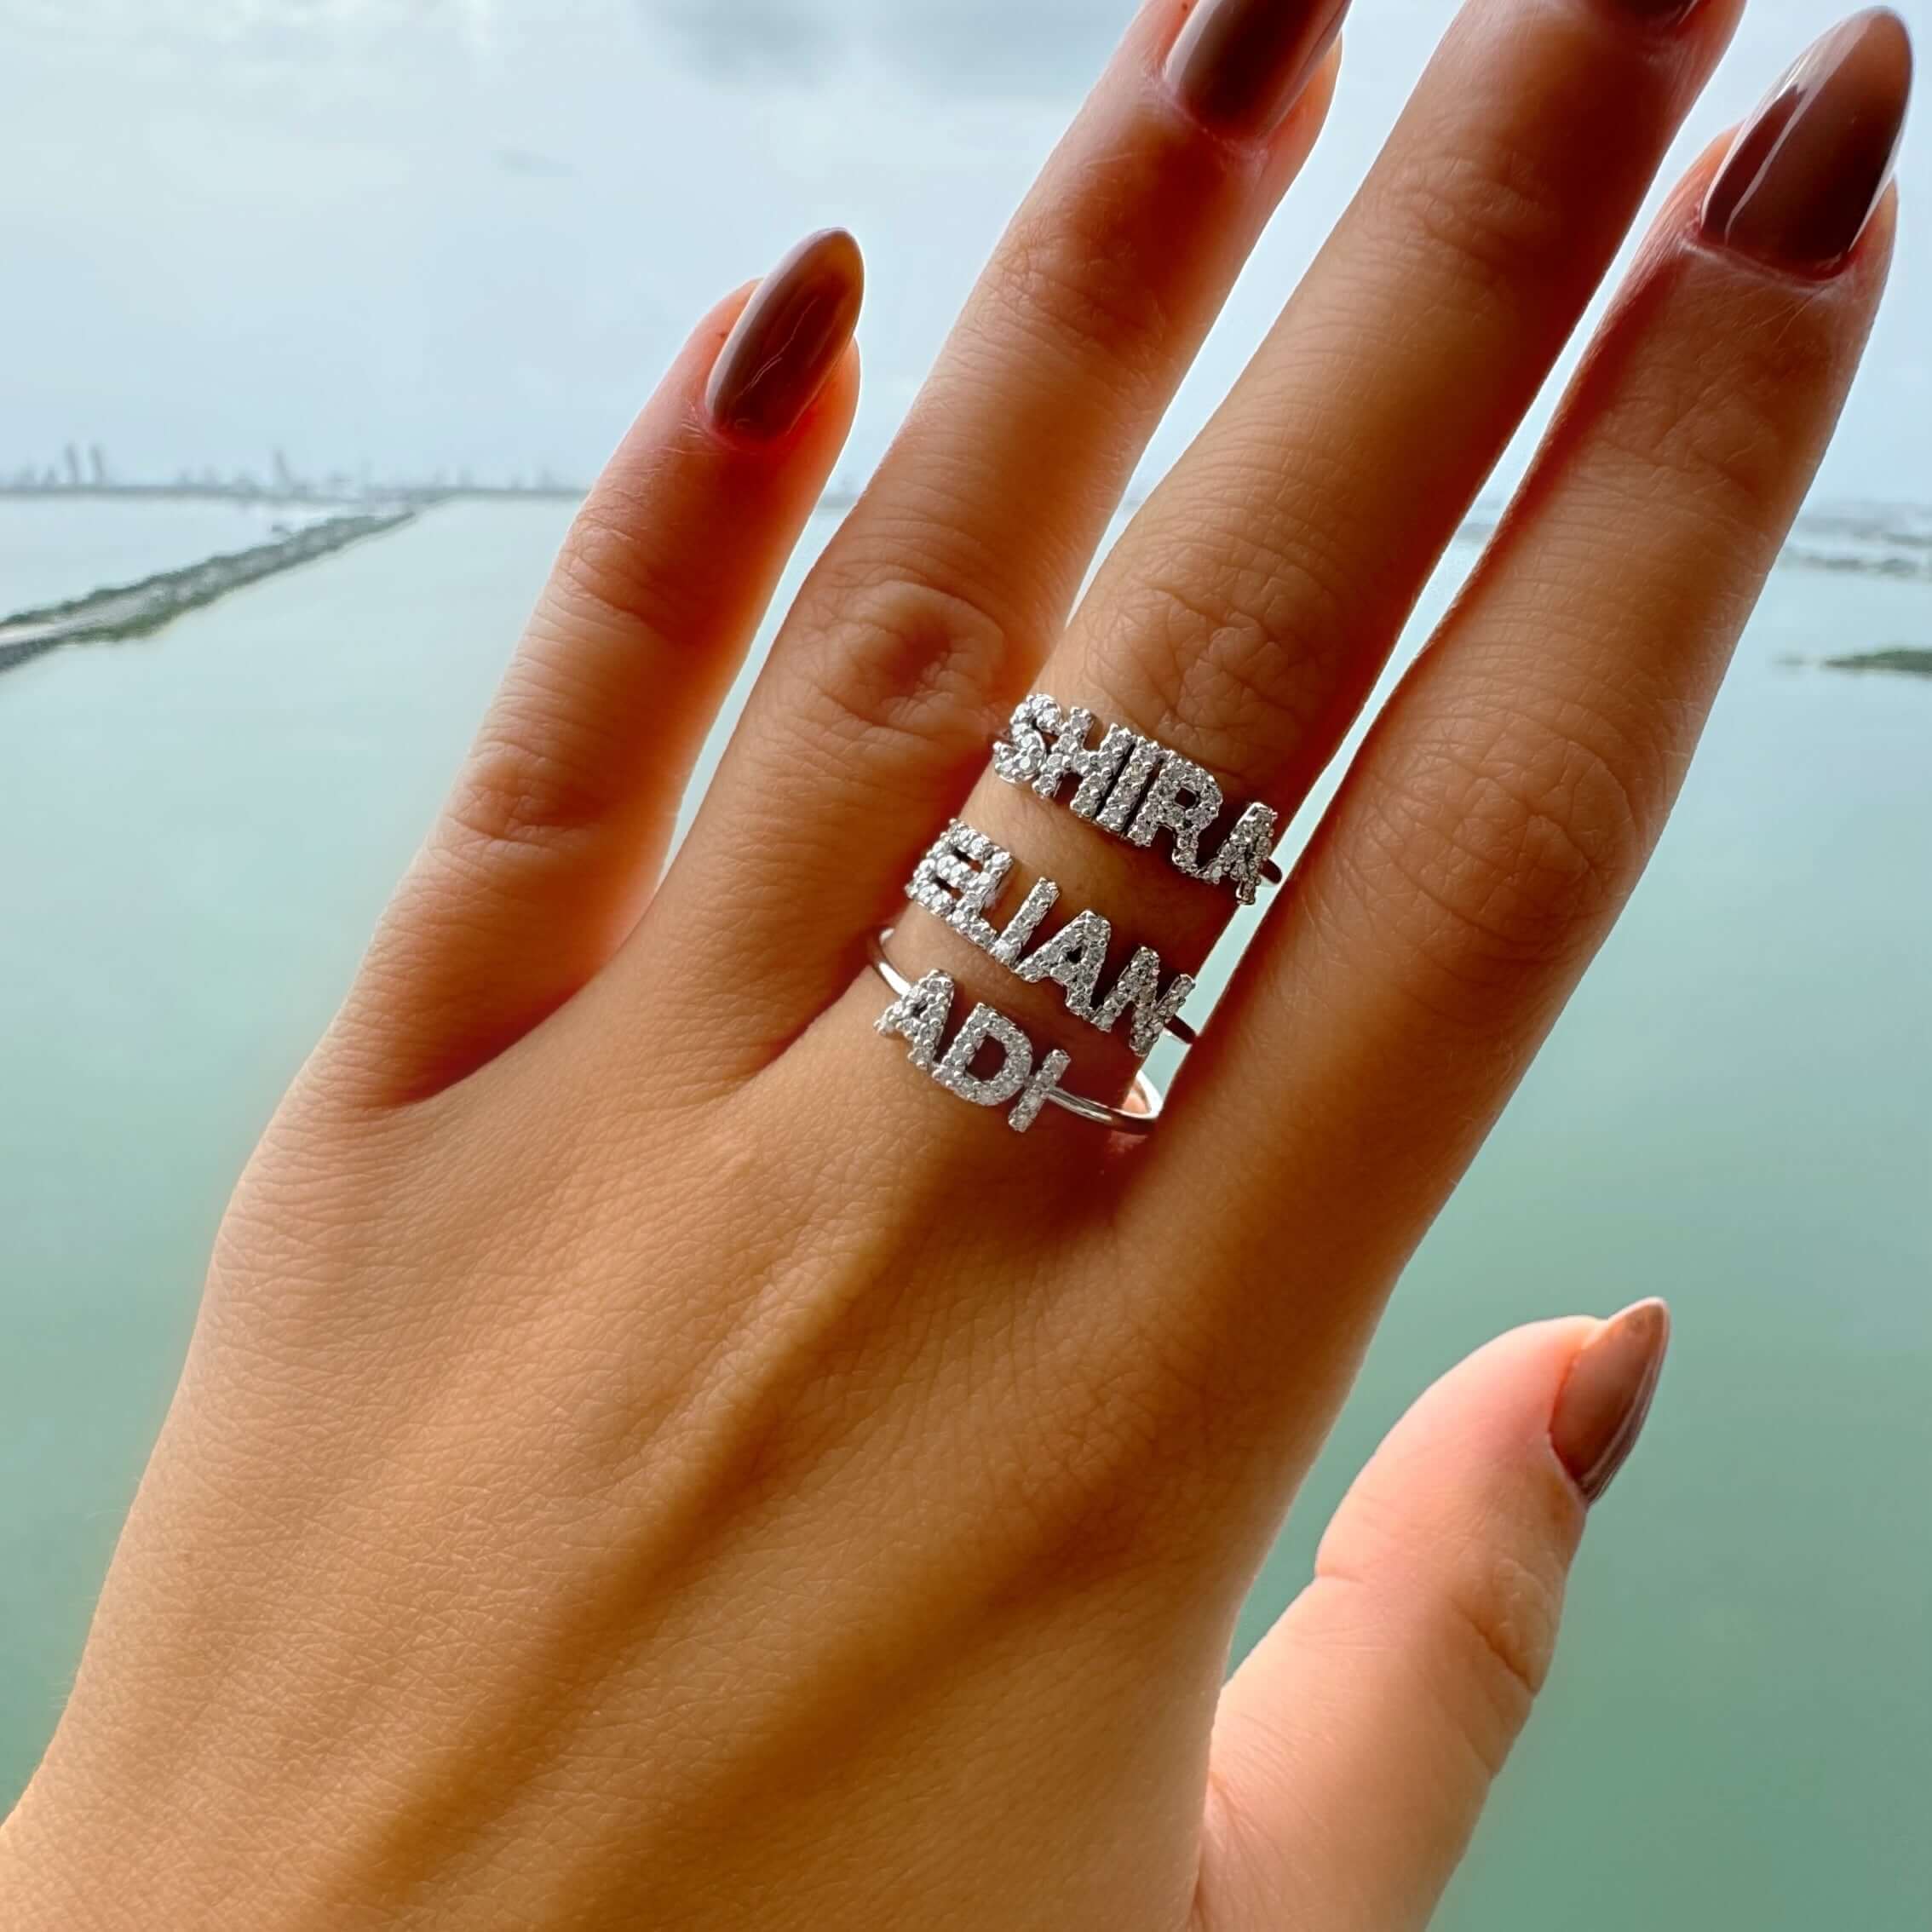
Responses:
[200,827]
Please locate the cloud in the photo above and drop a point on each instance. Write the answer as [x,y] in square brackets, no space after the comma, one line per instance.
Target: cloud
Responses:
[754,39]
[528,161]
[1024,47]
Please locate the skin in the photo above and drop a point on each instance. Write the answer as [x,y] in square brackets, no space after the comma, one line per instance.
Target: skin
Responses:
[648,1456]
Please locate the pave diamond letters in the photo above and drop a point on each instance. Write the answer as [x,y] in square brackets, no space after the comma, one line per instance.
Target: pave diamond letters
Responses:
[958,881]
[919,1018]
[1135,788]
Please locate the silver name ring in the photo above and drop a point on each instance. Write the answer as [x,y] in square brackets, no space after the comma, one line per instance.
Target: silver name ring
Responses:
[1136,790]
[919,1013]
[962,875]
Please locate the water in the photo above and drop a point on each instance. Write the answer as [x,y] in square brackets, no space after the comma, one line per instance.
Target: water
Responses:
[53,548]
[1737,1112]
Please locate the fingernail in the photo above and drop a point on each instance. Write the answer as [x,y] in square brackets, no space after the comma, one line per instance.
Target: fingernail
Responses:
[1657,13]
[1606,1398]
[1241,65]
[1802,178]
[790,338]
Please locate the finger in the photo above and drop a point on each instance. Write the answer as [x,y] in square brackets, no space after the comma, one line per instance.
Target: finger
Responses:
[930,609]
[1354,1749]
[553,837]
[1250,606]
[1502,809]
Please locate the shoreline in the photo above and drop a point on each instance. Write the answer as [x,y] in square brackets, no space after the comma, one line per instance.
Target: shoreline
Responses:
[1896,540]
[118,613]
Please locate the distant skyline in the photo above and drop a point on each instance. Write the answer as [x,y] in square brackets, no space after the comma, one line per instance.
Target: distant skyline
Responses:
[448,235]
[94,471]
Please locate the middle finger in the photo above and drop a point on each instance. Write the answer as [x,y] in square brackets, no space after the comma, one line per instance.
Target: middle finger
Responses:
[937,598]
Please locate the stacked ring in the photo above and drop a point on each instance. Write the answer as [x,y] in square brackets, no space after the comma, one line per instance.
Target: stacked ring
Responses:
[1128,786]
[1137,1119]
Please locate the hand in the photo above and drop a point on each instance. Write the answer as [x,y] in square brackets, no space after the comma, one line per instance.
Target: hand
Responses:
[651,1455]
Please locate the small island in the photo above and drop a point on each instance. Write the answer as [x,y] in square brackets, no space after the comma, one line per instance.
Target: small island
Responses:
[1911,660]
[136,610]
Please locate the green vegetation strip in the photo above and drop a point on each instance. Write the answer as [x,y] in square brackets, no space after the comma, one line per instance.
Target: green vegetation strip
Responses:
[136,610]
[1905,657]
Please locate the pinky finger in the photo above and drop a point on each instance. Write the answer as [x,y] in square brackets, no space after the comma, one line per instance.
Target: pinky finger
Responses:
[1355,1748]
[553,839]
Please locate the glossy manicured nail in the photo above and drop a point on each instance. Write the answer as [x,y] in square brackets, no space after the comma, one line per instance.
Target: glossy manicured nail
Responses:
[1239,64]
[1657,13]
[1802,178]
[1606,1398]
[790,338]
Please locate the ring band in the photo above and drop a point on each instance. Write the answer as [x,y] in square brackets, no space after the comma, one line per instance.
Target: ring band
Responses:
[1142,1119]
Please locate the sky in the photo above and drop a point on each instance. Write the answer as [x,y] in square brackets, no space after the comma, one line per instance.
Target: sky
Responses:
[450,235]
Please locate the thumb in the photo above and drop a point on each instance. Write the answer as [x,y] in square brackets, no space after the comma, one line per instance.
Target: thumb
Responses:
[1354,1749]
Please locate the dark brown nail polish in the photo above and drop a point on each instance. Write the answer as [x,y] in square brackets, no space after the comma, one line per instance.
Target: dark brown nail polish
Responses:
[789,339]
[1239,64]
[1802,177]
[1606,1398]
[1657,13]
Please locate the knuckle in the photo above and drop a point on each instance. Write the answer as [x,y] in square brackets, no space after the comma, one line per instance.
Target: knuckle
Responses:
[1236,678]
[1714,422]
[609,571]
[1516,849]
[515,794]
[1103,263]
[1087,287]
[1498,1620]
[1477,1601]
[1497,218]
[1086,1491]
[903,671]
